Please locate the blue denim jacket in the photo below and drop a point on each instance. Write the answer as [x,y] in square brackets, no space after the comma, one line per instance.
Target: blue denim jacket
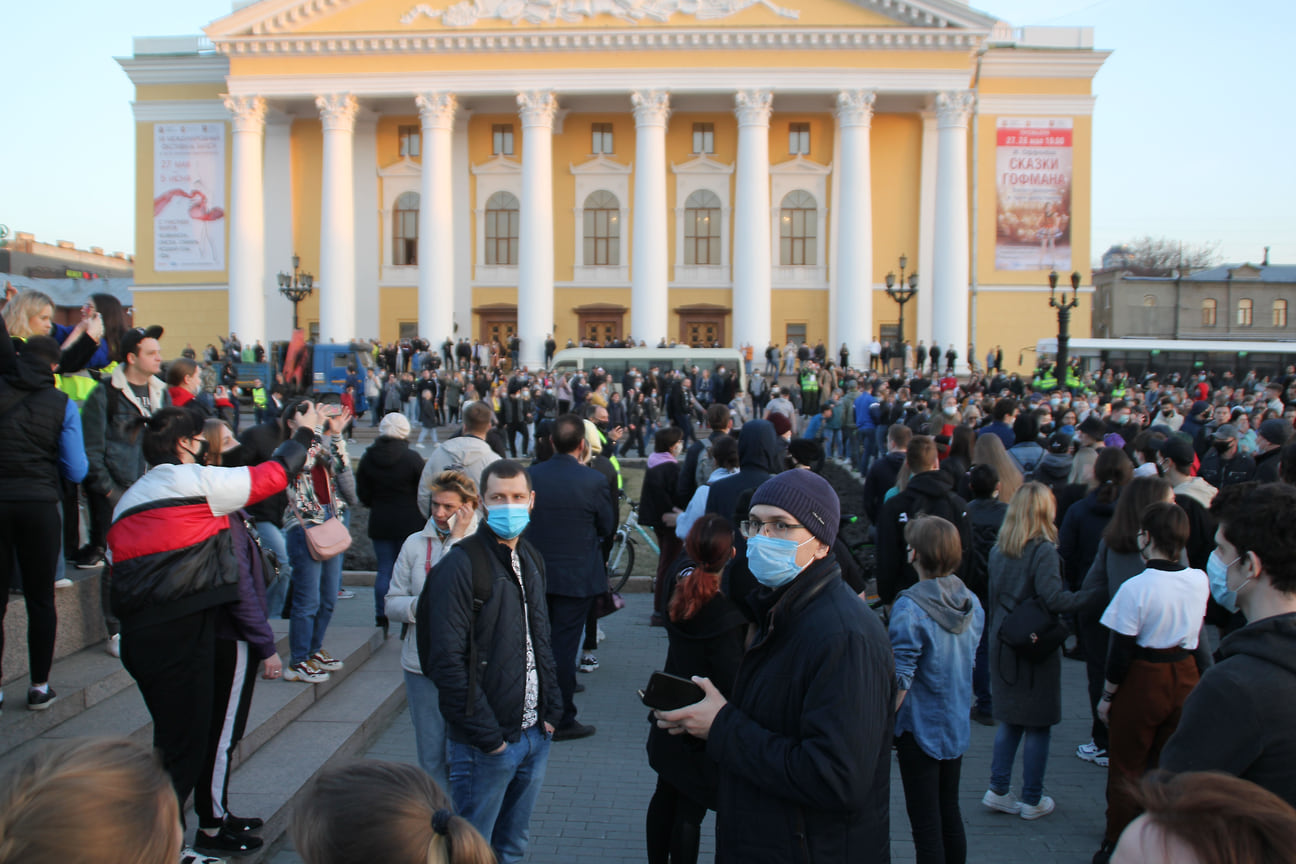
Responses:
[935,627]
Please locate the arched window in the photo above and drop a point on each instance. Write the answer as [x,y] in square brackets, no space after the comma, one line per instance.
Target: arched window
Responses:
[502,229]
[602,229]
[1244,312]
[798,229]
[405,229]
[702,228]
[1280,313]
[1209,306]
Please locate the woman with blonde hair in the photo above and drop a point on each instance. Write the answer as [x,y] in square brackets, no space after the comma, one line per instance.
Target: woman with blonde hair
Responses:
[29,314]
[989,450]
[406,819]
[90,800]
[454,515]
[1027,697]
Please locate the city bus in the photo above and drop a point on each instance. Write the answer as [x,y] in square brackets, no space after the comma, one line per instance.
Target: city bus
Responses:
[1141,356]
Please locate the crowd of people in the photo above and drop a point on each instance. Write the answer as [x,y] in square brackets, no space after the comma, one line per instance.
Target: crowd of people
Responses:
[1141,527]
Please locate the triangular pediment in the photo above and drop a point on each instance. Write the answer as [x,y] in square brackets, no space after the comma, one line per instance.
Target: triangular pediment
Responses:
[702,165]
[404,168]
[498,165]
[601,165]
[416,17]
[800,165]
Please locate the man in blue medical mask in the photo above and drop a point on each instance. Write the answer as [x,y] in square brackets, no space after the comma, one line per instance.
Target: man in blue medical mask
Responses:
[804,746]
[1241,716]
[483,628]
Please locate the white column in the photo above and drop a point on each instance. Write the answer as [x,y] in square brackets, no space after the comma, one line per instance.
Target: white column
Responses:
[462,226]
[278,224]
[247,219]
[337,219]
[535,240]
[436,252]
[854,207]
[950,256]
[926,300]
[367,229]
[835,332]
[648,290]
[751,268]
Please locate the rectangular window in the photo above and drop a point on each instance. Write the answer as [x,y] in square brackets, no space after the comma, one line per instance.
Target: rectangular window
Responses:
[703,138]
[411,140]
[1244,312]
[1280,313]
[601,138]
[799,139]
[502,139]
[796,333]
[407,329]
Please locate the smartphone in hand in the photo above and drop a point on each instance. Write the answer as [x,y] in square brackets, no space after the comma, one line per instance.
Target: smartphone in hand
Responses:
[669,692]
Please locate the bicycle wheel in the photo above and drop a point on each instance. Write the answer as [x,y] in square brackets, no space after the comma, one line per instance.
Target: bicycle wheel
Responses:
[620,561]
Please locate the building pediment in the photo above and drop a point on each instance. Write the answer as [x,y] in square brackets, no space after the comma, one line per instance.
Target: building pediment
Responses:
[702,165]
[800,165]
[406,167]
[498,165]
[601,165]
[404,18]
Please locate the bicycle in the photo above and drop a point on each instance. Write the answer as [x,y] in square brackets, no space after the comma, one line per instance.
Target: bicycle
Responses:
[622,555]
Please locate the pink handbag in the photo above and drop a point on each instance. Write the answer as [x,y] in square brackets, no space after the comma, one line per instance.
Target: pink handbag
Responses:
[331,537]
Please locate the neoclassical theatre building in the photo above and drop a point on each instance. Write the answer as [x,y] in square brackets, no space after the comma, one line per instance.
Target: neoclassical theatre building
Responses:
[737,171]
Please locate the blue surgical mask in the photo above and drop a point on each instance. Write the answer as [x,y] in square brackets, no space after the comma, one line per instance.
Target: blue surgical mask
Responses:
[1217,573]
[508,520]
[773,561]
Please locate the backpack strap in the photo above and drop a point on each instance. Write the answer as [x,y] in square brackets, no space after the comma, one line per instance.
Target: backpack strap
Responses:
[483,579]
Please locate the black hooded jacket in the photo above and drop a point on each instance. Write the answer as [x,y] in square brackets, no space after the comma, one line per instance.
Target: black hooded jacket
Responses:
[1241,716]
[387,482]
[758,460]
[930,493]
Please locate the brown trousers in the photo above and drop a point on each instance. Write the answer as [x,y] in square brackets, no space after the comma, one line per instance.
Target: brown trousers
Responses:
[1144,714]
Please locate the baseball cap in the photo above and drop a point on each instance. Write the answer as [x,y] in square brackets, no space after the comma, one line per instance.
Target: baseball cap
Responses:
[1225,431]
[1275,431]
[1059,442]
[1176,449]
[133,337]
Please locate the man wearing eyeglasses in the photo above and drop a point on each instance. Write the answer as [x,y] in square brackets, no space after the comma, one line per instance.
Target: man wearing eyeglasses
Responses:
[803,747]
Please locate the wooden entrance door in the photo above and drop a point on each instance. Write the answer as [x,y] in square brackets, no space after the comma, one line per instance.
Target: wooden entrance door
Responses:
[703,334]
[702,324]
[602,332]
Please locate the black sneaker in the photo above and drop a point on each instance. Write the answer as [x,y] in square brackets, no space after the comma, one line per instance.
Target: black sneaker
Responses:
[38,701]
[227,841]
[239,824]
[89,557]
[572,731]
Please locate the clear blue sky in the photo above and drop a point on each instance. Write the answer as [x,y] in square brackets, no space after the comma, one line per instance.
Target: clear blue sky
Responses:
[1192,133]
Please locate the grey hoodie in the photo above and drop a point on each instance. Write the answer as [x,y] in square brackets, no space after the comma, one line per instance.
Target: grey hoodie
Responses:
[1197,489]
[947,600]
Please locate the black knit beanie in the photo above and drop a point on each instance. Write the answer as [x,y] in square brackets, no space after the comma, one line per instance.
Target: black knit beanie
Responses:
[808,497]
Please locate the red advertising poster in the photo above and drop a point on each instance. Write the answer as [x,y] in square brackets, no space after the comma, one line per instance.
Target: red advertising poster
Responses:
[1033,181]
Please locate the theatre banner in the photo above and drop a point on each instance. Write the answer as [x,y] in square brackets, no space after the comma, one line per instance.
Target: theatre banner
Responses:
[1033,180]
[188,197]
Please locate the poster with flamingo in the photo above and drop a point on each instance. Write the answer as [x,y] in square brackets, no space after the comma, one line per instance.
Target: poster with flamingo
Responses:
[188,197]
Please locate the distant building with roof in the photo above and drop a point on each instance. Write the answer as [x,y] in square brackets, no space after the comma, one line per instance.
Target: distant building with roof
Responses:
[67,274]
[1242,302]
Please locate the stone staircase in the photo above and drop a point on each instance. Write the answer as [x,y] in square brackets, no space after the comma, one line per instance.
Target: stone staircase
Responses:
[294,730]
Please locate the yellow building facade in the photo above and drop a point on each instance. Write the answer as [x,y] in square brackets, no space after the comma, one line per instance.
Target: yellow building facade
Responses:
[740,171]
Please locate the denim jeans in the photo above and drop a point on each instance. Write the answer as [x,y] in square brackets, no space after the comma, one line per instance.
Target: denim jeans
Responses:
[1034,760]
[868,449]
[385,551]
[272,538]
[315,587]
[429,726]
[833,443]
[497,793]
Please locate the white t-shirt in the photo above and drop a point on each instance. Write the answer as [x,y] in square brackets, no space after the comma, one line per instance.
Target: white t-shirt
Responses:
[1160,608]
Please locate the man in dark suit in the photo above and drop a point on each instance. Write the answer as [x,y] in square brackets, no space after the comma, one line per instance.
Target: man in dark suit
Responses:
[573,512]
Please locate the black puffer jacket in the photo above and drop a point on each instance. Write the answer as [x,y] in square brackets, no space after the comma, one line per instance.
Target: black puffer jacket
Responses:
[495,714]
[31,423]
[1081,532]
[387,482]
[804,744]
[929,493]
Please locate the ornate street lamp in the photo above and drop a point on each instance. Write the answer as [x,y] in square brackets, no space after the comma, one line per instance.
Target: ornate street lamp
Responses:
[296,286]
[901,291]
[1064,307]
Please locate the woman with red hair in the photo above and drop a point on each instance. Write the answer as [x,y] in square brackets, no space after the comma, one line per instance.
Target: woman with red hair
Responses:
[706,632]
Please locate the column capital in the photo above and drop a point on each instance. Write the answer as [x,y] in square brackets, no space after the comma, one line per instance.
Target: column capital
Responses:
[537,108]
[337,111]
[437,110]
[248,112]
[953,107]
[651,107]
[855,107]
[753,107]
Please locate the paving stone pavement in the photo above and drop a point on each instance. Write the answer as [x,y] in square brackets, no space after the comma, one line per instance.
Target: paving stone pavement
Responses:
[597,790]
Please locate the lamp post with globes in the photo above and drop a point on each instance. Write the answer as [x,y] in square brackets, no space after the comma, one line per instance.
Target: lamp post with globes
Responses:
[902,291]
[296,286]
[1064,307]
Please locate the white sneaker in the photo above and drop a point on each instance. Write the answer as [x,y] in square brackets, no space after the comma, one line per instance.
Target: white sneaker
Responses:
[601,635]
[113,645]
[1030,812]
[1091,752]
[1006,803]
[306,672]
[63,583]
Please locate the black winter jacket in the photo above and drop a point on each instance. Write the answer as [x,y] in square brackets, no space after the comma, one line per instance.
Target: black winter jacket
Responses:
[1078,538]
[258,443]
[495,714]
[804,743]
[928,493]
[32,410]
[881,477]
[387,482]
